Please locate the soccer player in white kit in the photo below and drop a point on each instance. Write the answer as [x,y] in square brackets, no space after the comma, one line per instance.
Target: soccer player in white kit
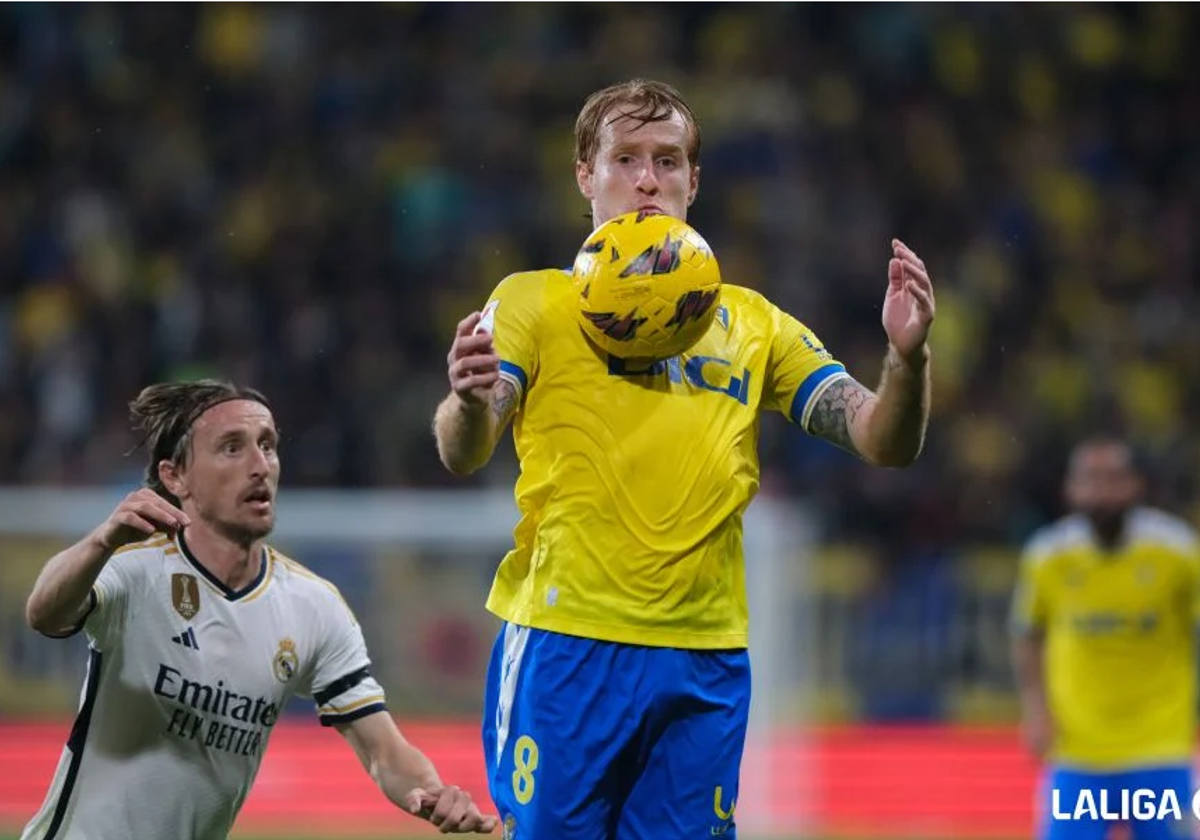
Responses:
[199,633]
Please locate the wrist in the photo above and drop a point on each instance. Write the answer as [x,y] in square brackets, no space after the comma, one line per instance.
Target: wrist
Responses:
[469,408]
[915,360]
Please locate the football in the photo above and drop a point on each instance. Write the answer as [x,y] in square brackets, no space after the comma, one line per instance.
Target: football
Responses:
[648,286]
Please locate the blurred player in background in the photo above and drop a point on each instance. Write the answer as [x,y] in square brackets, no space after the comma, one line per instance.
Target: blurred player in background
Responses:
[199,633]
[619,690]
[1104,618]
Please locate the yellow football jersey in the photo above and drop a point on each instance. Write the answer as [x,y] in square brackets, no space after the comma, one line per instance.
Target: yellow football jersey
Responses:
[1120,666]
[634,478]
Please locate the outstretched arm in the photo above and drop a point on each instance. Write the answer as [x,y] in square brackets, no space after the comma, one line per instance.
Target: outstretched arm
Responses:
[408,778]
[61,595]
[887,428]
[469,422]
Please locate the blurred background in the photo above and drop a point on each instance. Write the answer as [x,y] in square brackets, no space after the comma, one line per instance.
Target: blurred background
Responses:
[307,198]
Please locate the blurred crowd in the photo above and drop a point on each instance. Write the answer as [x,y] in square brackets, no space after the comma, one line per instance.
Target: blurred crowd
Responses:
[307,198]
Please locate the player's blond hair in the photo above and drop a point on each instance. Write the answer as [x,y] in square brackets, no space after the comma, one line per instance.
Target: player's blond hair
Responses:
[638,99]
[163,415]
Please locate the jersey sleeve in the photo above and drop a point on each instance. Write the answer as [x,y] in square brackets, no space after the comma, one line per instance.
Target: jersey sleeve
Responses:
[1028,610]
[511,316]
[341,682]
[800,369]
[110,597]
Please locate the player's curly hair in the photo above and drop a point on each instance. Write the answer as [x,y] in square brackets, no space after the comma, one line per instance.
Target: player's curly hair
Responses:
[641,99]
[163,415]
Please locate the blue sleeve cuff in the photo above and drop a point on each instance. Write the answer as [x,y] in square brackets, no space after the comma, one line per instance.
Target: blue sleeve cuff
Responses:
[811,388]
[514,373]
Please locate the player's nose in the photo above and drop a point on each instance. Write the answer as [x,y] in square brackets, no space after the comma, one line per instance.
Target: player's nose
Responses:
[647,181]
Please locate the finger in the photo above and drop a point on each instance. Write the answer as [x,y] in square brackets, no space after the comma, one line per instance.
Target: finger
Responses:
[895,273]
[467,325]
[420,803]
[446,803]
[471,345]
[475,364]
[161,512]
[924,299]
[133,520]
[487,825]
[901,250]
[914,269]
[476,381]
[458,814]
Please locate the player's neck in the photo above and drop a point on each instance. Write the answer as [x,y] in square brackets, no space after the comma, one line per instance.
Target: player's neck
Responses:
[233,563]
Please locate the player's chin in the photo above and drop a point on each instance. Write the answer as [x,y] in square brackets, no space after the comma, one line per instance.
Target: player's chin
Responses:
[258,524]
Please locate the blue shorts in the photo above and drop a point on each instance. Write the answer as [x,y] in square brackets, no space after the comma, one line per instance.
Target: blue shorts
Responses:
[1067,792]
[593,740]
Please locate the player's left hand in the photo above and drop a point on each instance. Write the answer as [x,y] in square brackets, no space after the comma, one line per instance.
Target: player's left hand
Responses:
[450,809]
[908,308]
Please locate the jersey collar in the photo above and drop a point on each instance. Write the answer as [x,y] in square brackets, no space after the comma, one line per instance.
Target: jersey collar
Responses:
[230,594]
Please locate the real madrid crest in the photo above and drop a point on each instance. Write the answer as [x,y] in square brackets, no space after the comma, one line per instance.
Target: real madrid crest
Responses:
[185,594]
[287,663]
[510,827]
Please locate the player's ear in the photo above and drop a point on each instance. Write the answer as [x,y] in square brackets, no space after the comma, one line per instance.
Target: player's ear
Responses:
[583,177]
[170,476]
[693,184]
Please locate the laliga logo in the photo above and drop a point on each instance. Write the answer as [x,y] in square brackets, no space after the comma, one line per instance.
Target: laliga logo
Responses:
[1126,805]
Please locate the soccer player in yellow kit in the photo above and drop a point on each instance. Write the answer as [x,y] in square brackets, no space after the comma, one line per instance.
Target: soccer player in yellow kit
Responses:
[619,689]
[1104,617]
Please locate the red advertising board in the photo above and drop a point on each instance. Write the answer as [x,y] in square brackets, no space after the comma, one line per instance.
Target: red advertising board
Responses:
[929,782]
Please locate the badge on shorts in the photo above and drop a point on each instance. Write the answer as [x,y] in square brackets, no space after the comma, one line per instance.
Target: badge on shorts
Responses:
[185,594]
[286,661]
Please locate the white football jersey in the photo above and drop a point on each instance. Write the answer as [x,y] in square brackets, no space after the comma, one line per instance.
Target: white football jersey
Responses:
[185,681]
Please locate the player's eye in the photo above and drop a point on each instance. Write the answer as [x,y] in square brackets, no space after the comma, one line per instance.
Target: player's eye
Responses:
[668,162]
[231,447]
[624,160]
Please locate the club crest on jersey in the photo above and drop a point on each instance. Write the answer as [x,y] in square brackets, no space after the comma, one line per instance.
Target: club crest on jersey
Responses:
[286,663]
[185,594]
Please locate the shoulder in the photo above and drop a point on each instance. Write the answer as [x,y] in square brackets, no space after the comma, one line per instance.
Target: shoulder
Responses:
[753,308]
[1158,527]
[1055,539]
[531,285]
[303,584]
[143,554]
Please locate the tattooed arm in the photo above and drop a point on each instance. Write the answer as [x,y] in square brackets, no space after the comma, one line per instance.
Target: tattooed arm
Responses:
[885,429]
[469,422]
[467,433]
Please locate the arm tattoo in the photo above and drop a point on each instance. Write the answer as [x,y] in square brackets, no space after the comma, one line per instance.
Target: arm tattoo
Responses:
[835,410]
[504,402]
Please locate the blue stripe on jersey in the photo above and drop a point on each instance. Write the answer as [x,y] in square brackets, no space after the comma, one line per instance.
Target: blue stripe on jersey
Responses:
[809,386]
[515,372]
[76,741]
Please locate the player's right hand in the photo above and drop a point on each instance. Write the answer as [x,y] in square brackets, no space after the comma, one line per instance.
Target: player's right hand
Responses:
[1037,730]
[450,809]
[140,514]
[473,364]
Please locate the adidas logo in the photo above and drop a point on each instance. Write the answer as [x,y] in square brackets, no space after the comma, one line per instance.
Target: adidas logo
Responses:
[187,638]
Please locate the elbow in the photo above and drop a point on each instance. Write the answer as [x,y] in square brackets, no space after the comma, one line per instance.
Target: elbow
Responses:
[456,460]
[37,617]
[459,466]
[894,458]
